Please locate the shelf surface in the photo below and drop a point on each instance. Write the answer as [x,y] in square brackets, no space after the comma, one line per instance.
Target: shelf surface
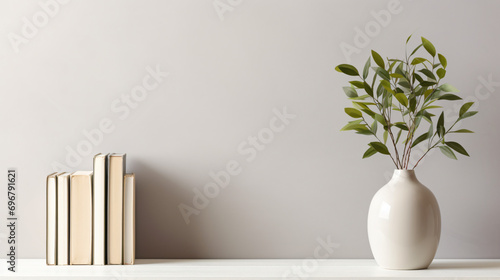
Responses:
[254,269]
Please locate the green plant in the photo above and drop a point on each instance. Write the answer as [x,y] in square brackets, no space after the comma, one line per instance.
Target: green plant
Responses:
[400,95]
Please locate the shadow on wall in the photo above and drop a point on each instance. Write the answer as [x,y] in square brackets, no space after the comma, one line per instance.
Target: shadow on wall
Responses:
[161,232]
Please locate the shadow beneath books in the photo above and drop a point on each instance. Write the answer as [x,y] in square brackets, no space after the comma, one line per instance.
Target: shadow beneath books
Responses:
[161,232]
[465,264]
[168,261]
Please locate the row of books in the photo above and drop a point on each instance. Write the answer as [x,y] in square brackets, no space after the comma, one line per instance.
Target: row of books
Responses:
[91,214]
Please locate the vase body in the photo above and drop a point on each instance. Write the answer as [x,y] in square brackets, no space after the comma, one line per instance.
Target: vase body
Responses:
[404,223]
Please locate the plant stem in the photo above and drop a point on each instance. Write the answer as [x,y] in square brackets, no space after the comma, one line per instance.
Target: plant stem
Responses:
[393,143]
[433,146]
[366,123]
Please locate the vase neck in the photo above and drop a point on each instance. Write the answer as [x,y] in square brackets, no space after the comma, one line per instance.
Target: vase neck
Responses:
[404,174]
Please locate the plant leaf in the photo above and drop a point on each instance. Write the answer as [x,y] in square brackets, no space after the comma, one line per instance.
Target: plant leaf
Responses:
[352,126]
[428,73]
[428,92]
[368,89]
[404,84]
[418,119]
[383,73]
[463,130]
[370,152]
[420,139]
[387,101]
[350,92]
[430,132]
[397,75]
[468,114]
[429,47]
[380,147]
[380,119]
[380,90]
[374,127]
[418,60]
[427,116]
[368,112]
[357,84]
[443,61]
[401,125]
[401,97]
[427,83]
[465,108]
[447,152]
[355,113]
[362,97]
[416,49]
[400,70]
[449,96]
[347,69]
[360,105]
[441,73]
[378,59]
[387,86]
[391,66]
[363,131]
[448,88]
[408,38]
[432,107]
[399,135]
[440,125]
[366,69]
[457,147]
[418,77]
[355,121]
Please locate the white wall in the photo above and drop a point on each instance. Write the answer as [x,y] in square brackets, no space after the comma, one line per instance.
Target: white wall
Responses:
[225,79]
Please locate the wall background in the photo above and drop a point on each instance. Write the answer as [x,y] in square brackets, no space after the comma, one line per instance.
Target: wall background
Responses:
[225,78]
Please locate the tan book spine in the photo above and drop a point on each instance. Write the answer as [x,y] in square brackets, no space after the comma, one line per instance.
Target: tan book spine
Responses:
[115,208]
[51,219]
[63,218]
[129,219]
[80,218]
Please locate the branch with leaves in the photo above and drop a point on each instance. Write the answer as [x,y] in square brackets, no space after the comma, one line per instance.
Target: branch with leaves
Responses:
[397,95]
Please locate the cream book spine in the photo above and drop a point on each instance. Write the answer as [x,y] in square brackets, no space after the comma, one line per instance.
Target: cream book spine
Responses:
[129,219]
[100,189]
[80,233]
[63,218]
[51,219]
[115,208]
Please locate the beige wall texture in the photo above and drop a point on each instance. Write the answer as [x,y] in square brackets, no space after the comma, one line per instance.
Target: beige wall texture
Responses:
[230,111]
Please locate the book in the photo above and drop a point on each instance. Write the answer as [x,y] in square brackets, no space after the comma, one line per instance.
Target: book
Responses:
[100,205]
[115,208]
[129,219]
[51,219]
[63,218]
[80,220]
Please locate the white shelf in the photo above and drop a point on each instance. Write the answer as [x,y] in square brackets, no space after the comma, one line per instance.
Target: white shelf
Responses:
[254,269]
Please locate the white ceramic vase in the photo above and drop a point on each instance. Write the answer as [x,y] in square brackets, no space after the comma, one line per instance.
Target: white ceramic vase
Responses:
[404,223]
